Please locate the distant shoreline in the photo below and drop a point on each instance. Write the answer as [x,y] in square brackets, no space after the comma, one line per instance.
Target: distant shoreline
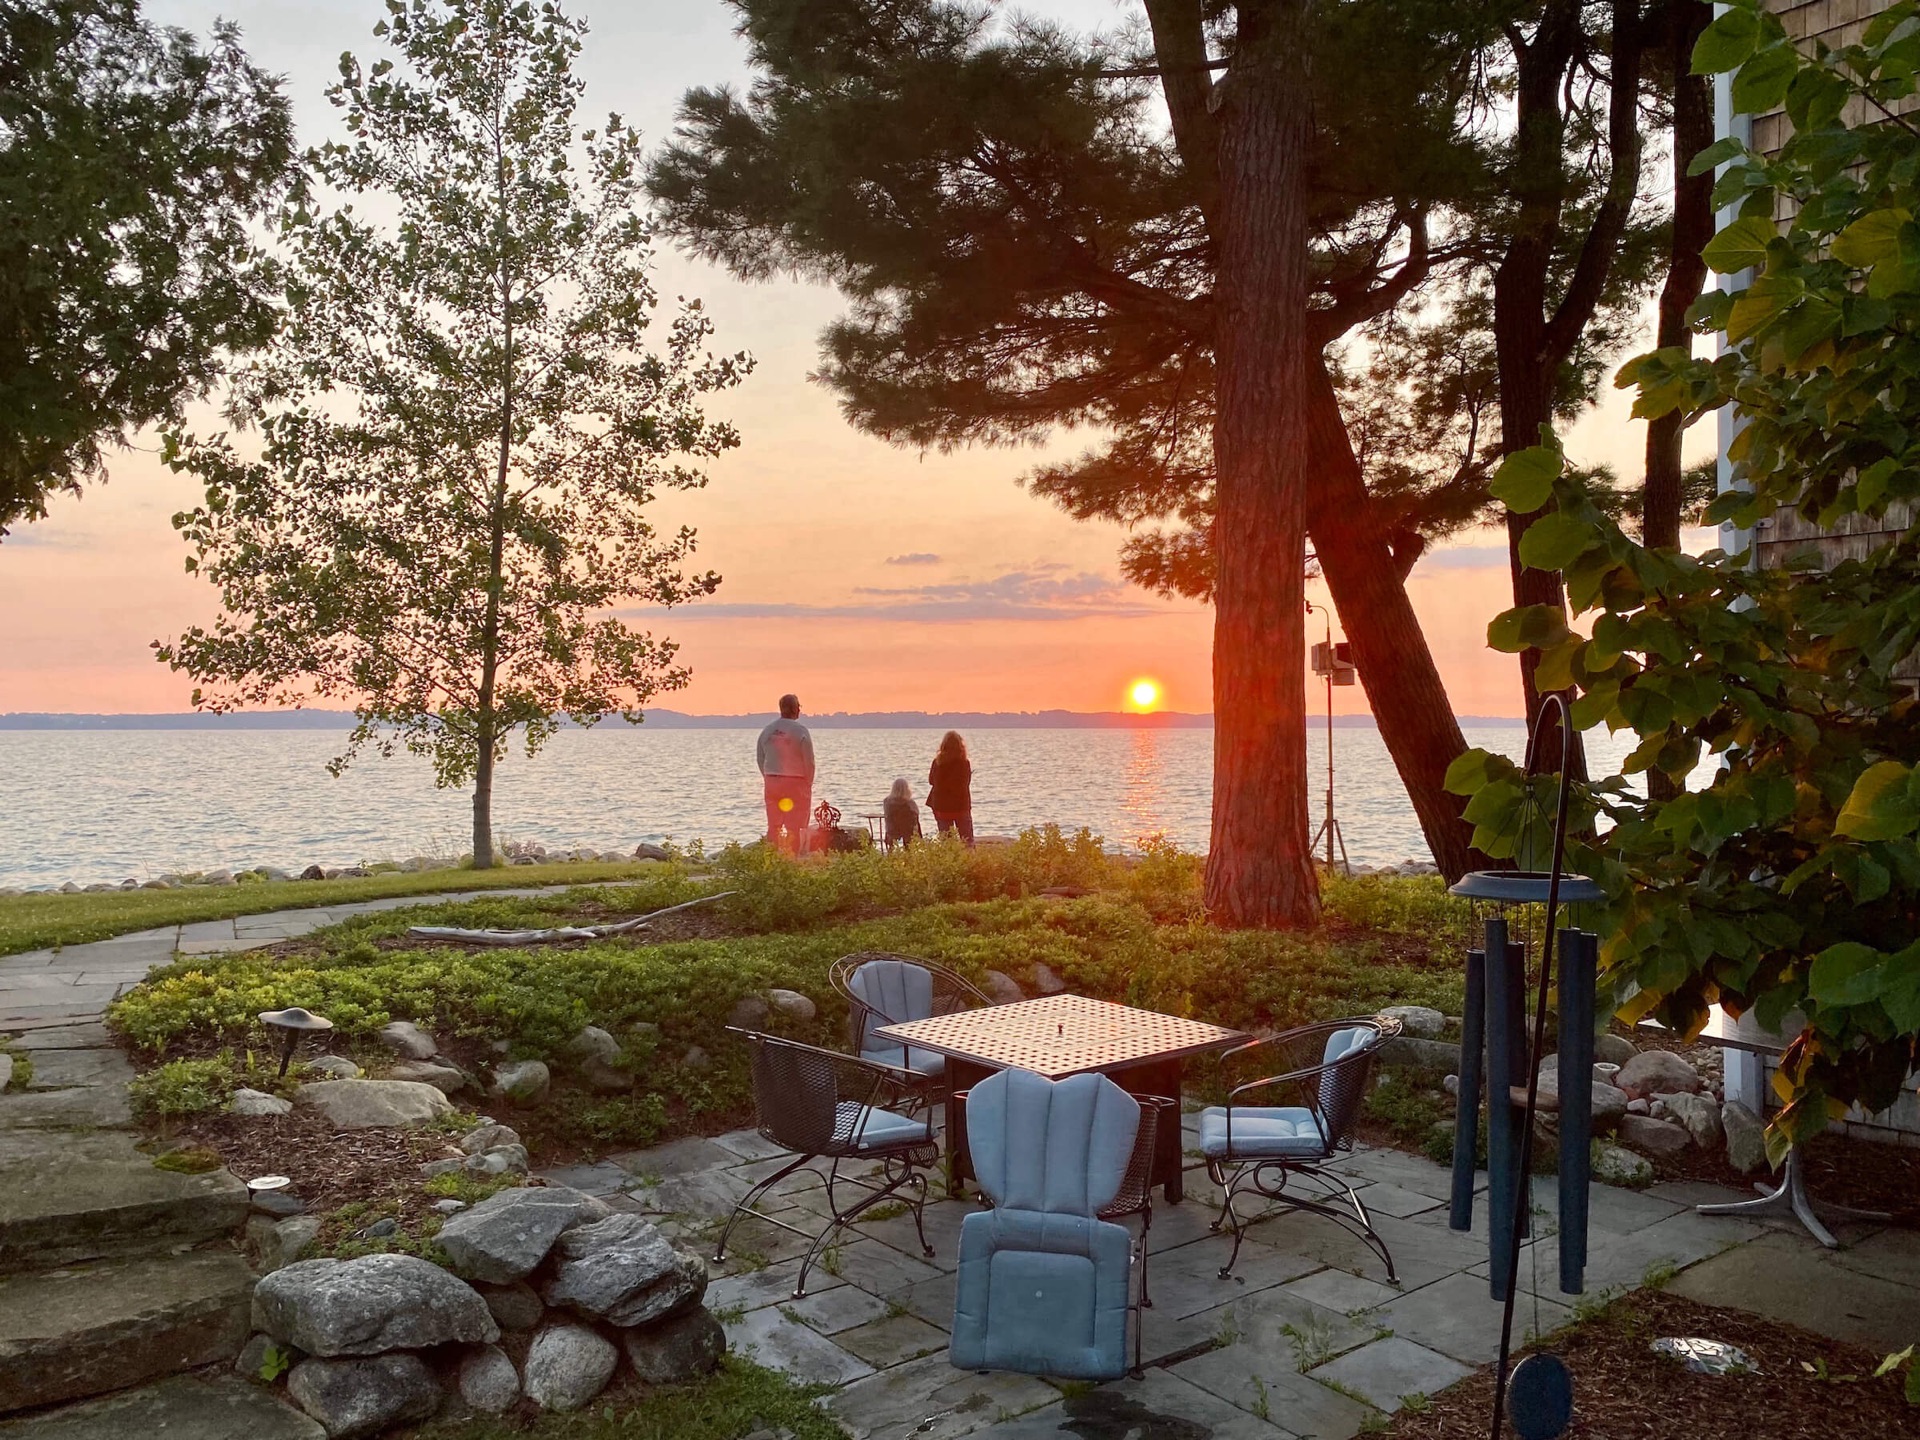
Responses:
[678,720]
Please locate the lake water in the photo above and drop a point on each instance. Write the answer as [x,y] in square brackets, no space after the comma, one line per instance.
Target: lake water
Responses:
[105,805]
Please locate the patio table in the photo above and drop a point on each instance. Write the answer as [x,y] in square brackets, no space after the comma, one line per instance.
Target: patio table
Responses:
[1790,1196]
[1057,1036]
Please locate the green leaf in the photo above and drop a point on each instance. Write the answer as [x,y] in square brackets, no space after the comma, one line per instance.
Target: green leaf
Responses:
[1525,478]
[1472,769]
[1881,806]
[1526,627]
[1726,43]
[1723,149]
[1871,240]
[1741,245]
[1846,974]
[1555,541]
[1761,84]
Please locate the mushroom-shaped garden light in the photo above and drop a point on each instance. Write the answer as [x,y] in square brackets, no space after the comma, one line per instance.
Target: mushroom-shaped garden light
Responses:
[293,1022]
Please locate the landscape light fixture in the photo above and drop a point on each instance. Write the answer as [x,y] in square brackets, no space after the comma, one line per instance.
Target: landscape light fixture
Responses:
[294,1022]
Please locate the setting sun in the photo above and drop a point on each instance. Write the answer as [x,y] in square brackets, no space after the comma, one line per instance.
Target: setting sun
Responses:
[1144,693]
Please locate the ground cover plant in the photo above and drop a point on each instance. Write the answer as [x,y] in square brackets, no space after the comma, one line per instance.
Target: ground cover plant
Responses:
[1127,929]
[39,921]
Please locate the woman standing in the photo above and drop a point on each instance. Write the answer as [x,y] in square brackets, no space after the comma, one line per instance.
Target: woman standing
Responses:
[950,793]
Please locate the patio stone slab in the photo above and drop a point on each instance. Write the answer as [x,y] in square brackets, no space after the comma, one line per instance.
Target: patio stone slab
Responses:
[770,1338]
[892,1340]
[605,1178]
[1388,1370]
[58,1069]
[1264,1386]
[1422,1253]
[880,1268]
[1457,1317]
[1623,1262]
[676,1157]
[931,1300]
[1160,1406]
[1791,1278]
[753,1289]
[711,1193]
[91,1035]
[1186,1280]
[842,1308]
[1409,1172]
[1386,1198]
[748,1145]
[84,1107]
[1887,1255]
[1340,1292]
[943,1222]
[930,1400]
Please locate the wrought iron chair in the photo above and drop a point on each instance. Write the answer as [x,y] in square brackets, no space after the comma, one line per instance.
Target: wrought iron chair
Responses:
[1044,1284]
[883,989]
[1135,1196]
[1258,1149]
[822,1105]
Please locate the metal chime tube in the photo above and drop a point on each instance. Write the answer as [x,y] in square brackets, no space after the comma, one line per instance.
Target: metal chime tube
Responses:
[1506,1061]
[1466,1113]
[1579,960]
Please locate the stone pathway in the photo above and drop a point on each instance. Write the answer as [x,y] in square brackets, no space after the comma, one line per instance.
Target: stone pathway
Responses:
[78,982]
[1306,1340]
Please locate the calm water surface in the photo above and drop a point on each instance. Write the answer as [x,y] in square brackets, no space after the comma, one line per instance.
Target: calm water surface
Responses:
[108,805]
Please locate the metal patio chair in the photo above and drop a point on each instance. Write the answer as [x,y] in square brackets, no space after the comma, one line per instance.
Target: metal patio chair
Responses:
[1044,1285]
[824,1106]
[1314,1102]
[883,989]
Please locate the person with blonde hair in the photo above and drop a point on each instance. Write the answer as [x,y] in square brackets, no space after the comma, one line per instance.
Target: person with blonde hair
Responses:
[950,787]
[900,815]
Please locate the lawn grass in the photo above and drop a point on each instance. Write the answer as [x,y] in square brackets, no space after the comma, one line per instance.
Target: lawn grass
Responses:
[34,922]
[738,1400]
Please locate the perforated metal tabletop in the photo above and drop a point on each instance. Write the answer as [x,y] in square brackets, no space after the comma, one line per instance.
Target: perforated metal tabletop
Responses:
[1060,1035]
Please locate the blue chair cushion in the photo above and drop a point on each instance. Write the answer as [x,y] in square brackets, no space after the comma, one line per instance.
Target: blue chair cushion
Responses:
[1059,1147]
[1041,1294]
[876,1129]
[900,1057]
[1262,1132]
[898,989]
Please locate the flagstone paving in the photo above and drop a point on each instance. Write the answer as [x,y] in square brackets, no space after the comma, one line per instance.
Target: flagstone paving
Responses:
[1305,1341]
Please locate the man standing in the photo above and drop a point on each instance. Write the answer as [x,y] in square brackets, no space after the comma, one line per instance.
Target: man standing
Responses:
[786,765]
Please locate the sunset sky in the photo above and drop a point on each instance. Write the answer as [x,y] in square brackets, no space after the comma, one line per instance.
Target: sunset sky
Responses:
[862,576]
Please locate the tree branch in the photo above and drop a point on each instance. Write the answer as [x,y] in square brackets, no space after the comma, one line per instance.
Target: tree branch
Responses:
[1180,42]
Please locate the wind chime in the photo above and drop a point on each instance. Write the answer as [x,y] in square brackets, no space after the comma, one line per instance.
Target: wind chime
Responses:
[1515,913]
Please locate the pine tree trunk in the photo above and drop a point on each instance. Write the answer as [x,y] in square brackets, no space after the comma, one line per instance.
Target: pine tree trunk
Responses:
[1403,685]
[1259,872]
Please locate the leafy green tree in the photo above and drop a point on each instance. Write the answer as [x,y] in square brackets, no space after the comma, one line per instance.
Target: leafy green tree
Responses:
[1038,228]
[1789,884]
[460,426]
[133,162]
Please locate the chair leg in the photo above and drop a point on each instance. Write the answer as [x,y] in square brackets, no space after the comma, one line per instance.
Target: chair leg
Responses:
[745,1207]
[843,1218]
[1146,1224]
[920,1214]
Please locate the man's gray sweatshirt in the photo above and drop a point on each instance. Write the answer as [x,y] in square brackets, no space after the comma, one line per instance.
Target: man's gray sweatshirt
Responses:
[786,749]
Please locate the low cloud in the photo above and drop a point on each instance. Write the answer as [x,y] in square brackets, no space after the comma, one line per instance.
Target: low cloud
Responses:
[1017,595]
[1464,557]
[920,557]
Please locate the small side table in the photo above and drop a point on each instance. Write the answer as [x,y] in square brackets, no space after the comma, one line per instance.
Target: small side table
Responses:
[1790,1197]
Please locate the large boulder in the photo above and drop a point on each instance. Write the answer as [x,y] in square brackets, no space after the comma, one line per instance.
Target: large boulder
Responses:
[677,1350]
[447,1079]
[487,1380]
[1657,1072]
[1700,1114]
[1045,982]
[364,1104]
[1654,1137]
[593,1043]
[369,1305]
[1001,989]
[524,1080]
[792,1004]
[623,1271]
[408,1040]
[1746,1136]
[1613,1049]
[505,1236]
[364,1396]
[336,1067]
[1615,1166]
[567,1365]
[1422,1021]
[749,1012]
[517,1306]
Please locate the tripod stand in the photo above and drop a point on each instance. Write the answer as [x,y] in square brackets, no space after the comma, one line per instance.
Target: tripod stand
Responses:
[1335,670]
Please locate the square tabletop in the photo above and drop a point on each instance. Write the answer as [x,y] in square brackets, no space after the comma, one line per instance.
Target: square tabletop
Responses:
[1061,1035]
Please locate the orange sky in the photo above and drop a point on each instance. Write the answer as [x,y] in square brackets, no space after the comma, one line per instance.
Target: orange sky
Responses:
[864,577]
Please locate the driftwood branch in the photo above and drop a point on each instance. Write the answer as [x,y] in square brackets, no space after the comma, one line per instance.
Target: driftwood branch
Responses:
[559,933]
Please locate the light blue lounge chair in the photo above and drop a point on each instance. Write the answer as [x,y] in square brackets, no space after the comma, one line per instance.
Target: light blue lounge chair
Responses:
[1255,1149]
[1045,1286]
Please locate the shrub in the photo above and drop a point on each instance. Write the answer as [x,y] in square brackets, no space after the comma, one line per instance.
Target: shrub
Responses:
[183,1087]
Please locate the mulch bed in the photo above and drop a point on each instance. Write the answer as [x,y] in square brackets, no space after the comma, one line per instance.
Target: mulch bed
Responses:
[328,1167]
[1807,1388]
